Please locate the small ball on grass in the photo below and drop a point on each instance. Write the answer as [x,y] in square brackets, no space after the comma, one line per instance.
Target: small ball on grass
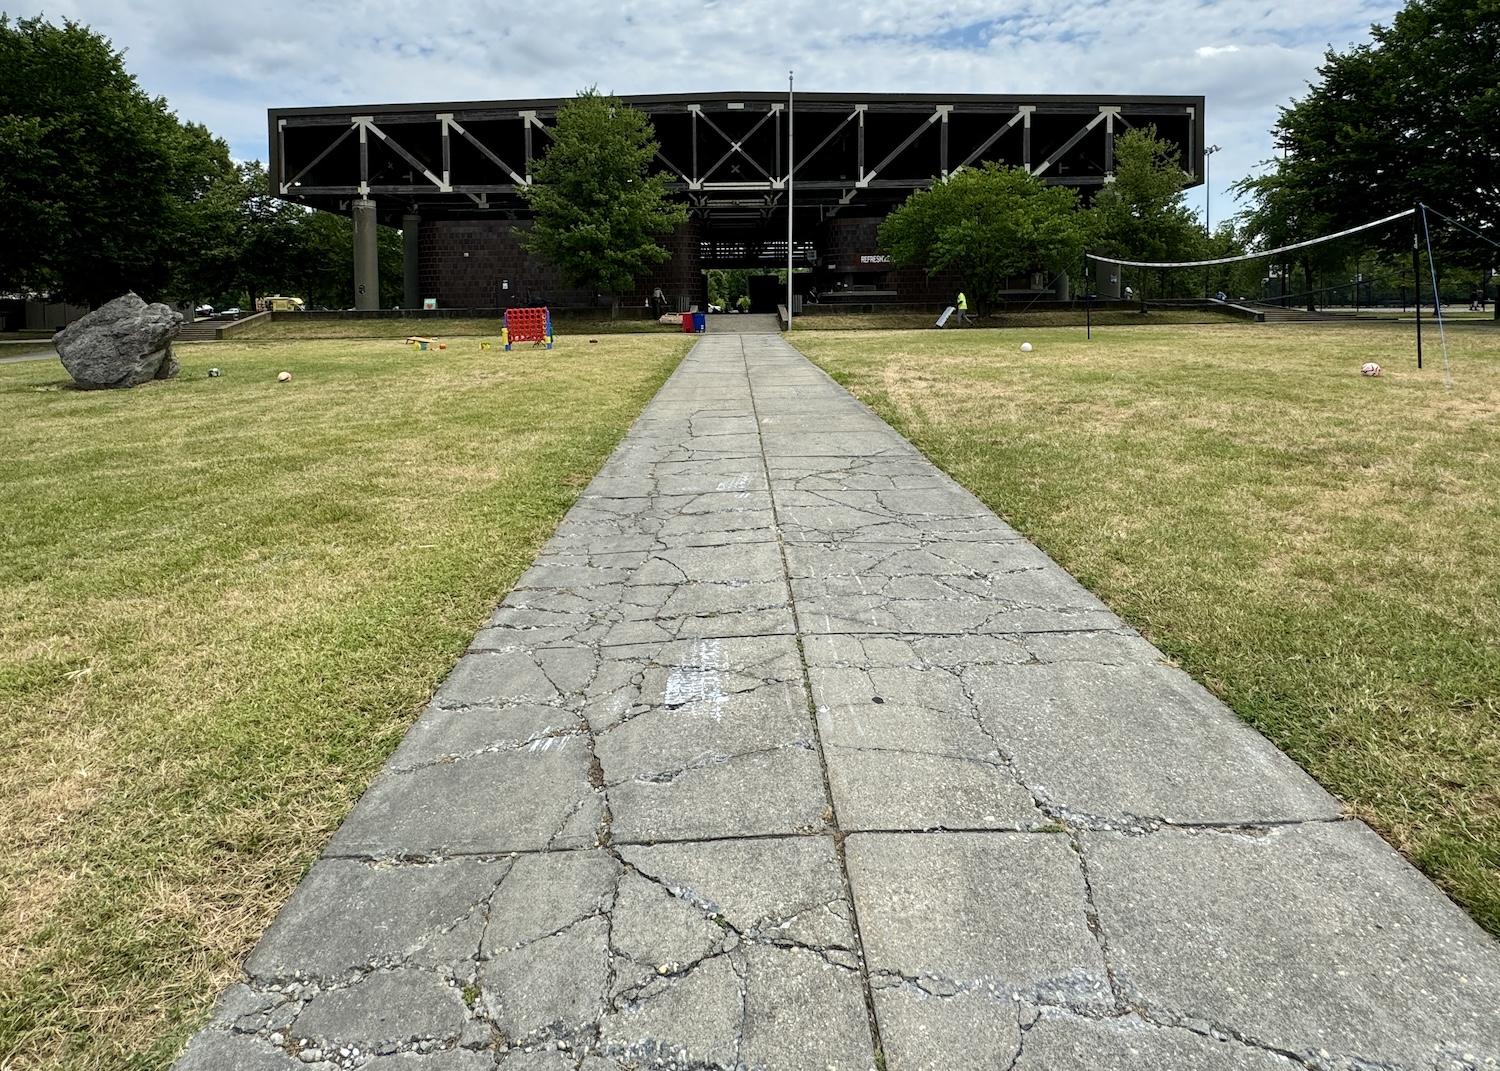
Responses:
[442,345]
[1369,368]
[283,377]
[214,373]
[1026,347]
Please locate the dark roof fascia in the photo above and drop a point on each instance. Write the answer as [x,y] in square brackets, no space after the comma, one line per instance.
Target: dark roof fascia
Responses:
[667,100]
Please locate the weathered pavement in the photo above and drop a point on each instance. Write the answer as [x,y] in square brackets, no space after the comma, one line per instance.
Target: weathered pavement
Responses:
[786,751]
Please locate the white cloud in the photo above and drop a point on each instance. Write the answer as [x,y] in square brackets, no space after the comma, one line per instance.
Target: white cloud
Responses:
[225,65]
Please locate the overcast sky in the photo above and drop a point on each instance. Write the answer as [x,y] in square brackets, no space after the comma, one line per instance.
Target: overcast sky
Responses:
[224,65]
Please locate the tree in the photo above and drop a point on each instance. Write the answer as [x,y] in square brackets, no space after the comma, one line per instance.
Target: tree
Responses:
[727,286]
[986,225]
[1141,214]
[209,223]
[101,187]
[1281,213]
[599,209]
[1407,118]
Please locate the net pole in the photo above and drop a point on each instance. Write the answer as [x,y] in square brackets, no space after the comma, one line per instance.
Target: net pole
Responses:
[1437,300]
[1416,271]
[1088,299]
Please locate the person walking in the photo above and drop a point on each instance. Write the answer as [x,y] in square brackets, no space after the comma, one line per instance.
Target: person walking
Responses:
[962,304]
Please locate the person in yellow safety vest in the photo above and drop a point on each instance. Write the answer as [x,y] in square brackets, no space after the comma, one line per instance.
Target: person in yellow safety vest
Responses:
[963,309]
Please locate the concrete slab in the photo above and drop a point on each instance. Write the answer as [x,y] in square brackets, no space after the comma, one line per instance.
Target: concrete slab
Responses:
[217,1050]
[350,916]
[397,1007]
[527,800]
[1003,914]
[1137,744]
[1313,939]
[1031,601]
[966,1030]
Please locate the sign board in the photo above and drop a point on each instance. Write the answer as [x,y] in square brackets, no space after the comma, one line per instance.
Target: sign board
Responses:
[874,258]
[429,303]
[943,319]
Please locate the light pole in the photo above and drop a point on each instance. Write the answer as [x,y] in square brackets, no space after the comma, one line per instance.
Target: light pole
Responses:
[1208,189]
[791,166]
[1208,194]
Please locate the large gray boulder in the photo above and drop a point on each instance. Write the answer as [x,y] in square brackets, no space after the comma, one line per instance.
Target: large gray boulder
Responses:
[120,344]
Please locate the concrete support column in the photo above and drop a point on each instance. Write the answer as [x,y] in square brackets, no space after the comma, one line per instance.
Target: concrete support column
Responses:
[366,255]
[411,284]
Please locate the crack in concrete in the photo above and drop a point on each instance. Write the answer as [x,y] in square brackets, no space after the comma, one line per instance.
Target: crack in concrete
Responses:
[848,890]
[535,742]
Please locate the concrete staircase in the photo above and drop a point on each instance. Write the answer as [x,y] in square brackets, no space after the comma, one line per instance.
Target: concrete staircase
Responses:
[200,331]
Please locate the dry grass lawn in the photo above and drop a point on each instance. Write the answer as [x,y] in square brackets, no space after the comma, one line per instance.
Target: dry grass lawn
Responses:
[221,603]
[832,320]
[1318,547]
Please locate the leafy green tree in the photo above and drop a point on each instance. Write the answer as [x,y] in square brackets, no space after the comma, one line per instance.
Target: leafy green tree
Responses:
[986,225]
[1281,213]
[599,208]
[1142,213]
[101,186]
[1241,280]
[211,227]
[726,286]
[1408,118]
[282,248]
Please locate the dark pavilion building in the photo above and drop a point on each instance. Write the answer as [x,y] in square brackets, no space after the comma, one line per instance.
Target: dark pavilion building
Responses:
[447,175]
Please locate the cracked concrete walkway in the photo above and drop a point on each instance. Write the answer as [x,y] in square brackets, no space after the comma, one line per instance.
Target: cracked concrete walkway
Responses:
[787,752]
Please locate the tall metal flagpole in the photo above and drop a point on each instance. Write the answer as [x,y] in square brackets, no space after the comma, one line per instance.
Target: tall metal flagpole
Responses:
[791,166]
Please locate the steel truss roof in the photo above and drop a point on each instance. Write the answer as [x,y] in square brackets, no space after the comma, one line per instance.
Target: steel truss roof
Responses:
[725,153]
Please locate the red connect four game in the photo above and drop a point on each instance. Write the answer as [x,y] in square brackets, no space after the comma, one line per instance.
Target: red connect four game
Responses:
[528,325]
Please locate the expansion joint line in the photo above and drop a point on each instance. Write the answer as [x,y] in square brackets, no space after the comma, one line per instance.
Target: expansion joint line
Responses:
[812,713]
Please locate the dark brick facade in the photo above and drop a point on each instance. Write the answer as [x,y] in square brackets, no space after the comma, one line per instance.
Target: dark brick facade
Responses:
[847,244]
[481,264]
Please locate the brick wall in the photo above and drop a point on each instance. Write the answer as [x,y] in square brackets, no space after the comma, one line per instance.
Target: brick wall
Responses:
[463,263]
[843,240]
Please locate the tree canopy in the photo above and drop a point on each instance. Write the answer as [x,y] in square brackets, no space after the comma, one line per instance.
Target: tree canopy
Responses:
[103,189]
[1140,214]
[986,225]
[1409,117]
[599,209]
[101,185]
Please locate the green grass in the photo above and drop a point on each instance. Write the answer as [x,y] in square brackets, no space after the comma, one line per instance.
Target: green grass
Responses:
[313,328]
[914,321]
[222,601]
[1316,546]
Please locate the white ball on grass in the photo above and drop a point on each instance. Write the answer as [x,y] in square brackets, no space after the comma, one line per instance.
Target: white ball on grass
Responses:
[1026,347]
[284,377]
